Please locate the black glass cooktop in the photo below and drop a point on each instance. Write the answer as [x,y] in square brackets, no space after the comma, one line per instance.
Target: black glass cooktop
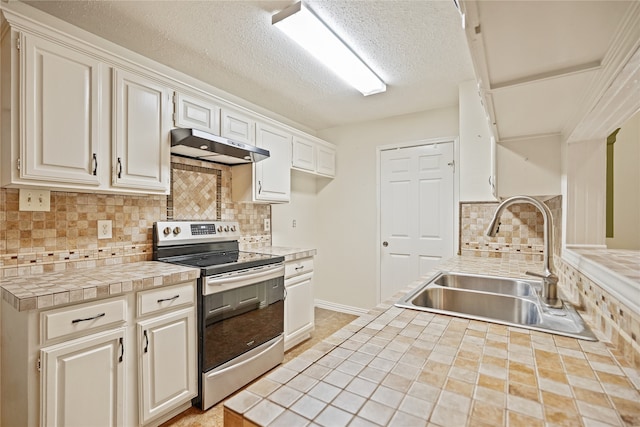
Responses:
[224,262]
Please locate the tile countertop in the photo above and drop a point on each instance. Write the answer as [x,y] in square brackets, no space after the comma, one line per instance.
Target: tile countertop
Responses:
[289,254]
[404,367]
[54,289]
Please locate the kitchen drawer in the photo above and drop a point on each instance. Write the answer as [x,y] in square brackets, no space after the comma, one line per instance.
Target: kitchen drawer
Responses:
[166,298]
[299,266]
[82,318]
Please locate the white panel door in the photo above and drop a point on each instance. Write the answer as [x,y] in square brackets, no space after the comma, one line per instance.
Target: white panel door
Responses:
[62,102]
[83,381]
[168,363]
[416,213]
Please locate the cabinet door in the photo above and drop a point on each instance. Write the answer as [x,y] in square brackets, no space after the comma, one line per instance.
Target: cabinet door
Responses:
[326,161]
[82,381]
[62,99]
[141,132]
[298,309]
[272,179]
[304,154]
[196,113]
[167,363]
[238,126]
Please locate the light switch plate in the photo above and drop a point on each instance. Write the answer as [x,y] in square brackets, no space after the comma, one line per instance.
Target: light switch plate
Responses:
[34,200]
[104,229]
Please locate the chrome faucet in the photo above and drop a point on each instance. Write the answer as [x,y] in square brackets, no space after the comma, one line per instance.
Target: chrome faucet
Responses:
[549,294]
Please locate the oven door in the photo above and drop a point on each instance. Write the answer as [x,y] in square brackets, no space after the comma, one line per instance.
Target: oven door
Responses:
[240,312]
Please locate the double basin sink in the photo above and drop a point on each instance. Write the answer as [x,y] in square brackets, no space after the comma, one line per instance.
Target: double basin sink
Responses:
[512,302]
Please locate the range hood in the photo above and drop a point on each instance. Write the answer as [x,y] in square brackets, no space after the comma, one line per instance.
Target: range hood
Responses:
[206,146]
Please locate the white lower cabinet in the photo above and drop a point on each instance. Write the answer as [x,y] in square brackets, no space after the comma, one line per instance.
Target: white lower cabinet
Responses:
[129,360]
[298,308]
[167,363]
[82,381]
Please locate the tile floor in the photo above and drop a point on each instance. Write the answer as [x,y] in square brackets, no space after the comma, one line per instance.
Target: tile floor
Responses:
[326,323]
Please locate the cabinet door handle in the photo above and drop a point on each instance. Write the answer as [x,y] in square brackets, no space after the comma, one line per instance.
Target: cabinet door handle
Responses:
[259,187]
[121,350]
[119,167]
[95,164]
[168,299]
[89,318]
[146,341]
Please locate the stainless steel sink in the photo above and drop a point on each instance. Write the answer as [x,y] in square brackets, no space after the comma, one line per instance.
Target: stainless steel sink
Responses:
[512,302]
[496,285]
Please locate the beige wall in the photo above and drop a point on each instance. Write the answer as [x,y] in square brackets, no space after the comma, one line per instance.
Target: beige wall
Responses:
[302,209]
[346,227]
[626,179]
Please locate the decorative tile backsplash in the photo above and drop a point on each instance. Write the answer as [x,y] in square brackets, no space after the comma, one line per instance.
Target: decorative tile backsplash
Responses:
[66,237]
[521,230]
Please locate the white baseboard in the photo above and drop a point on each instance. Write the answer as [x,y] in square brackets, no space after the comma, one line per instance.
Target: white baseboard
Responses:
[327,305]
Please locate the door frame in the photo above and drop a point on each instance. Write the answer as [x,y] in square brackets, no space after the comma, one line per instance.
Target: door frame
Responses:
[456,195]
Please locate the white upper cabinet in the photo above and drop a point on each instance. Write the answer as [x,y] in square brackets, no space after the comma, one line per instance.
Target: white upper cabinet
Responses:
[268,180]
[60,138]
[197,113]
[303,154]
[273,177]
[81,114]
[141,132]
[326,161]
[238,126]
[314,156]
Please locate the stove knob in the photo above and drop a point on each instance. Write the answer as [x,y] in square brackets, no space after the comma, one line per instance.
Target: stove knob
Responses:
[226,228]
[167,231]
[219,229]
[233,228]
[176,231]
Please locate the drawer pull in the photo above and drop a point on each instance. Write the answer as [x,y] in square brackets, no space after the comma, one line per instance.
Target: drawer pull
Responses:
[168,299]
[300,268]
[89,318]
[146,342]
[121,350]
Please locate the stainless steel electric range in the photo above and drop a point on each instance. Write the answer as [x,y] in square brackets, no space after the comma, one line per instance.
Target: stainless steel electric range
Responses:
[240,303]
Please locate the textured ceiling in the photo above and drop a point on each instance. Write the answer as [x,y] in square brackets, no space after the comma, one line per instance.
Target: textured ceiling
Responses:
[417,47]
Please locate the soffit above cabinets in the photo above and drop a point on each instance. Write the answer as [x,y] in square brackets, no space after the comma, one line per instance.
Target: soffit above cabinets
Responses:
[540,63]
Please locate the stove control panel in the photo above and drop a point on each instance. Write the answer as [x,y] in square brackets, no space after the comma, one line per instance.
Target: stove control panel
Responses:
[184,232]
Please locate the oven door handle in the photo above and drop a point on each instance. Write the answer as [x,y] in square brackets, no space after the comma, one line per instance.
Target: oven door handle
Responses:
[245,278]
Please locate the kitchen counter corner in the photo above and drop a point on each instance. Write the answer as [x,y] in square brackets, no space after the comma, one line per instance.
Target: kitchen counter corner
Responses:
[75,286]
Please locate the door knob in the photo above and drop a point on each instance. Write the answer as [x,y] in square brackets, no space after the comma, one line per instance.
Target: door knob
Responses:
[385,244]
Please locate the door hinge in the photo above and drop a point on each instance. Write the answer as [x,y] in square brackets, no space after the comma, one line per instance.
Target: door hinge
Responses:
[18,163]
[38,365]
[18,43]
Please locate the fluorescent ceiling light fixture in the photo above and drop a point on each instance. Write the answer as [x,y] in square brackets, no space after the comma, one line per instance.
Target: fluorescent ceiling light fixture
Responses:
[300,23]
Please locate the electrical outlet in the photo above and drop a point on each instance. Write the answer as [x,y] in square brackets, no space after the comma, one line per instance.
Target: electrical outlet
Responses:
[267,224]
[34,200]
[104,229]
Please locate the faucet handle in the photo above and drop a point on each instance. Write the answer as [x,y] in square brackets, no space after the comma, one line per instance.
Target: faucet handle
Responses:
[548,276]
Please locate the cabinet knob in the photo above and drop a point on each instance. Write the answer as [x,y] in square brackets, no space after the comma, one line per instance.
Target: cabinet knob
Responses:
[385,244]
